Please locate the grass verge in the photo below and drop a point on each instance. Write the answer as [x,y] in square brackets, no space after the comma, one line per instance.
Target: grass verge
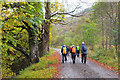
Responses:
[106,58]
[46,68]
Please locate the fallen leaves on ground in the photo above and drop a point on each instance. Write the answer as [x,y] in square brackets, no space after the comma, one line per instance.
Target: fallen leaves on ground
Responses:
[104,65]
[46,68]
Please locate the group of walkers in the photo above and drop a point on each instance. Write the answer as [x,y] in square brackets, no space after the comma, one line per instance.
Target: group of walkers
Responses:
[66,50]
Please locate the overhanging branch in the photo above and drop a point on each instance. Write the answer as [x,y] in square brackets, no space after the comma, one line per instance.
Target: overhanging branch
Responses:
[28,27]
[19,49]
[67,13]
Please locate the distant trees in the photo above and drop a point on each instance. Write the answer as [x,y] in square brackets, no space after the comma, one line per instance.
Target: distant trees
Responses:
[100,28]
[105,14]
[90,34]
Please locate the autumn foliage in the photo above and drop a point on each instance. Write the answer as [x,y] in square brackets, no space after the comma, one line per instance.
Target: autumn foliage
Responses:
[48,67]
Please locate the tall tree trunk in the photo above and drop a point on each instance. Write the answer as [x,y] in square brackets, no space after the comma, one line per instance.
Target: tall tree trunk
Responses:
[48,47]
[33,42]
[106,42]
[33,45]
[44,42]
[40,45]
[118,36]
[46,25]
[102,35]
[110,36]
[119,22]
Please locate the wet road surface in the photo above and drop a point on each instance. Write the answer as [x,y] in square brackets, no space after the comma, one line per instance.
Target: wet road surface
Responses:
[81,70]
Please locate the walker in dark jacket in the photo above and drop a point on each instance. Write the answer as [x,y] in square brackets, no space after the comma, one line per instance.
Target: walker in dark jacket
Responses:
[73,55]
[64,55]
[83,53]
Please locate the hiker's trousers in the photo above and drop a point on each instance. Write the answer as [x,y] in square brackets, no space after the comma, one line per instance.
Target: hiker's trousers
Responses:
[64,57]
[73,57]
[84,57]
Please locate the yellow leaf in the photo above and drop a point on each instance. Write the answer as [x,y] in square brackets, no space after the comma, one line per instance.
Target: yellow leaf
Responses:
[38,38]
[64,19]
[44,5]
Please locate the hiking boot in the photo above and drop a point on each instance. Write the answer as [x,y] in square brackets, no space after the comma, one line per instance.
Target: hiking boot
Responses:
[73,62]
[82,61]
[66,60]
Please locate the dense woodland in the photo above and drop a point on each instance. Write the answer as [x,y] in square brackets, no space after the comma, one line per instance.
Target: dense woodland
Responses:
[28,32]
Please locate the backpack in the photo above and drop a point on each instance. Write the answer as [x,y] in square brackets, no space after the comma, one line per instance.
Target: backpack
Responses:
[78,48]
[73,50]
[84,48]
[69,47]
[64,50]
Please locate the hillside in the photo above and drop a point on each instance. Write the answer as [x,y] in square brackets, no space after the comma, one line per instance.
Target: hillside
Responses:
[71,22]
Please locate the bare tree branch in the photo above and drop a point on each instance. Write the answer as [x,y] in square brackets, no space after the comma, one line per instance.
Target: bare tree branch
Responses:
[75,15]
[109,15]
[114,20]
[67,13]
[62,22]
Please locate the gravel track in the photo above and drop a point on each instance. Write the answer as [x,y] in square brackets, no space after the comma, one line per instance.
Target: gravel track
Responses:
[81,70]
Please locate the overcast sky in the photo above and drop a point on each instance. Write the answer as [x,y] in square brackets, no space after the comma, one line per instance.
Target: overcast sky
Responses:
[72,4]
